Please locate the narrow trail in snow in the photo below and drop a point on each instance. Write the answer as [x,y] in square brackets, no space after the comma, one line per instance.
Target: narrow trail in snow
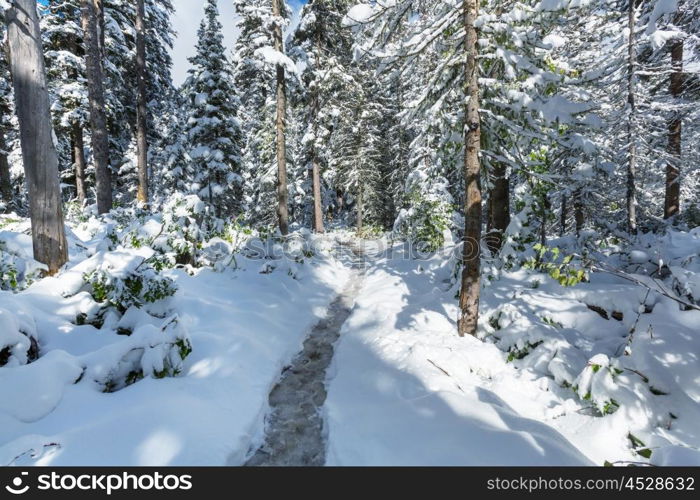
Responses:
[294,433]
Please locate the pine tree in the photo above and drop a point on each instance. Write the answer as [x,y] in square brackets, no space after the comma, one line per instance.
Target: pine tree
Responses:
[6,125]
[65,67]
[324,47]
[277,23]
[471,272]
[213,129]
[254,78]
[99,135]
[120,78]
[141,103]
[38,151]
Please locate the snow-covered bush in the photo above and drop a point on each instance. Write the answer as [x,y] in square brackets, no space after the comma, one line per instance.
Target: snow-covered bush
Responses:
[143,286]
[18,335]
[150,351]
[17,269]
[596,383]
[121,281]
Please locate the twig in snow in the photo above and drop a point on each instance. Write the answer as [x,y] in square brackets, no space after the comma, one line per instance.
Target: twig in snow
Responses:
[446,373]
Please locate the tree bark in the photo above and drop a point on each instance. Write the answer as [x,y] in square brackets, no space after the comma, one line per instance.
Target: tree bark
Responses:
[631,137]
[471,272]
[282,195]
[578,211]
[499,207]
[98,122]
[5,178]
[79,162]
[563,215]
[360,209]
[673,167]
[315,165]
[546,208]
[141,111]
[100,13]
[36,136]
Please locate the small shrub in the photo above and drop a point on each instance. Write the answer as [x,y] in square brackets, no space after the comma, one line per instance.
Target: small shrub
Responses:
[425,221]
[143,285]
[559,267]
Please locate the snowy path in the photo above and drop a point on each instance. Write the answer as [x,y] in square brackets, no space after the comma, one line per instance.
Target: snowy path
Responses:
[406,390]
[294,427]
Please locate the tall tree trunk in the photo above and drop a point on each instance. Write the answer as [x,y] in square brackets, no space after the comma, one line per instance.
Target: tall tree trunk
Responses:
[360,208]
[98,122]
[471,272]
[578,211]
[673,167]
[315,166]
[100,13]
[563,215]
[318,203]
[141,111]
[546,208]
[316,177]
[282,195]
[77,142]
[38,150]
[79,162]
[499,207]
[631,134]
[5,179]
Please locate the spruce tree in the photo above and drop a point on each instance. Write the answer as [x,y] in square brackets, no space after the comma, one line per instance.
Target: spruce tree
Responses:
[6,125]
[213,131]
[255,78]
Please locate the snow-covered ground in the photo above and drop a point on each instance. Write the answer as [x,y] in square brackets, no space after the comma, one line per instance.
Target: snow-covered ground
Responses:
[243,326]
[557,378]
[405,389]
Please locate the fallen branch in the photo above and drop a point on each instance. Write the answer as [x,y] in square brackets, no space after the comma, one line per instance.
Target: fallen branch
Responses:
[659,288]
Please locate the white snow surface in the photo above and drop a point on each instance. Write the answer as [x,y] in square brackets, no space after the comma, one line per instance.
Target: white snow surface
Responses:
[405,389]
[243,326]
[549,381]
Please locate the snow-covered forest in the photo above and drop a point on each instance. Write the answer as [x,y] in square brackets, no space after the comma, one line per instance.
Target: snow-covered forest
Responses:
[399,232]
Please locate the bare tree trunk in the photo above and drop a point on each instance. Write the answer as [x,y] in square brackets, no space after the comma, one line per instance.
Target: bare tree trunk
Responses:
[38,150]
[100,13]
[315,166]
[471,272]
[546,207]
[282,195]
[141,111]
[5,179]
[578,211]
[360,209]
[499,207]
[563,215]
[673,167]
[79,162]
[98,122]
[631,137]
[318,203]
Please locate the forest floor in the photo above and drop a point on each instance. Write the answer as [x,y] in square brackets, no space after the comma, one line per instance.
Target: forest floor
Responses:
[366,360]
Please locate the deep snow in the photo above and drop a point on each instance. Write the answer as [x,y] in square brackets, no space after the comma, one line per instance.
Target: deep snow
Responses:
[555,379]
